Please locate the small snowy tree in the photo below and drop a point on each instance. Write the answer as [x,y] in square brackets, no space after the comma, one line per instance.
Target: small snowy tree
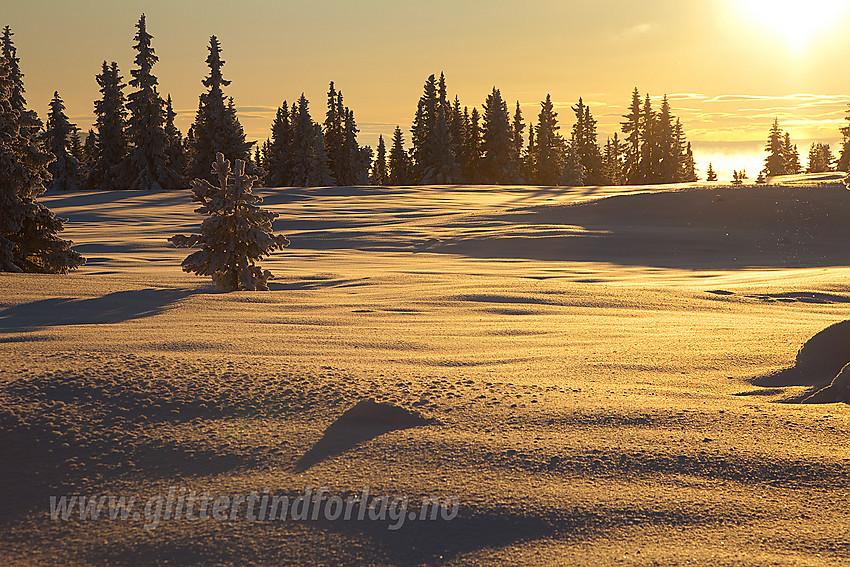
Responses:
[710,175]
[236,234]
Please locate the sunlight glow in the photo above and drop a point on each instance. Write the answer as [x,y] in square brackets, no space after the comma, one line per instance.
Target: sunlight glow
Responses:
[797,21]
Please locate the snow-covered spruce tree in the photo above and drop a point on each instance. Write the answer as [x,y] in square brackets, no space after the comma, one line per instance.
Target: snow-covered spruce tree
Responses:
[711,175]
[28,229]
[216,128]
[110,142]
[146,162]
[65,169]
[236,234]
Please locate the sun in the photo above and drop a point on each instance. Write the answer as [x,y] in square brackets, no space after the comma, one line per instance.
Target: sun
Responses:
[796,21]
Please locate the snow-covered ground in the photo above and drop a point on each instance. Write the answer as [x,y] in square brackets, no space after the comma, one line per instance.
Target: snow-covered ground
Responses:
[587,355]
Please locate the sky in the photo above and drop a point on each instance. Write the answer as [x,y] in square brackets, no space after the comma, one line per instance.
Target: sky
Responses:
[728,66]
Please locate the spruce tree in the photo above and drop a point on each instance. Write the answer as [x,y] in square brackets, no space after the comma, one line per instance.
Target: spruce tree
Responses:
[442,166]
[496,167]
[90,149]
[632,129]
[334,136]
[379,169]
[517,126]
[844,153]
[236,234]
[650,155]
[680,150]
[442,94]
[280,156]
[75,145]
[790,156]
[109,171]
[775,162]
[319,173]
[710,174]
[65,169]
[573,173]
[457,138]
[399,165]
[310,165]
[670,156]
[146,162]
[175,155]
[422,131]
[612,158]
[28,229]
[529,165]
[356,160]
[689,166]
[14,76]
[585,145]
[549,146]
[820,158]
[216,127]
[473,149]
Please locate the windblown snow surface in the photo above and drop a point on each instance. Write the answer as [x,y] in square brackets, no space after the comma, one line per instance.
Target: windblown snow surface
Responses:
[600,376]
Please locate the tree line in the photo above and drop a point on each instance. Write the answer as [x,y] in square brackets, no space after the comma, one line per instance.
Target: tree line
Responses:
[134,143]
[450,144]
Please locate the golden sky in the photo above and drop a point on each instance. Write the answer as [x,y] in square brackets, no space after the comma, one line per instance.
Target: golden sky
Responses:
[728,66]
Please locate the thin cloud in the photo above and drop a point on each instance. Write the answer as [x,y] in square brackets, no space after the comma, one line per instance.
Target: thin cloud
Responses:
[800,97]
[632,32]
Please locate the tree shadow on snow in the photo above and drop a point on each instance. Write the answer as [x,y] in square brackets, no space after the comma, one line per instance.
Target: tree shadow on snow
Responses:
[111,308]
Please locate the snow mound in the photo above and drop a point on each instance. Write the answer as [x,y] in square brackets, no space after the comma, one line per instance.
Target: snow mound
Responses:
[837,391]
[818,361]
[370,411]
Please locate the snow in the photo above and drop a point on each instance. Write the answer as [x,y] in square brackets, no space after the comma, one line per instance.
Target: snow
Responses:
[587,352]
